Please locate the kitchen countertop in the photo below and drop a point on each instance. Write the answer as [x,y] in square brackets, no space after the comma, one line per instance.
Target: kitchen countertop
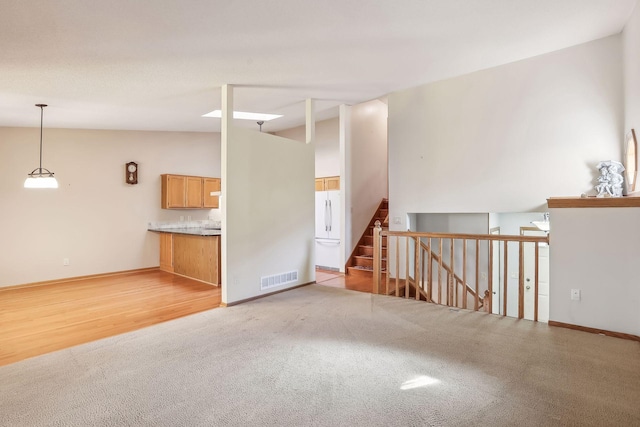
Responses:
[194,231]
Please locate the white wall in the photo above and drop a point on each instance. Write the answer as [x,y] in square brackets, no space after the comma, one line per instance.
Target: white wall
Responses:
[595,251]
[366,160]
[268,207]
[471,223]
[507,138]
[94,218]
[327,145]
[631,60]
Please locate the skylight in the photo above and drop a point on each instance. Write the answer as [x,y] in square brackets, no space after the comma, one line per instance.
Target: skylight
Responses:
[244,115]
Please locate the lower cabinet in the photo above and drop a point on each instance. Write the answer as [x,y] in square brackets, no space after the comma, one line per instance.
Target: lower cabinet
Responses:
[166,252]
[197,257]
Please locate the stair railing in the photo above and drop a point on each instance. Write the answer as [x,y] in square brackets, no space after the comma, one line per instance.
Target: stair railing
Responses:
[452,278]
[420,268]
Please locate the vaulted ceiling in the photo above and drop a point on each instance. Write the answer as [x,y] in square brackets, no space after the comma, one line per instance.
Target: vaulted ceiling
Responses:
[159,65]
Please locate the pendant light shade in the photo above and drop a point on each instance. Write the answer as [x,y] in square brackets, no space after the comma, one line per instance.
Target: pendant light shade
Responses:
[41,177]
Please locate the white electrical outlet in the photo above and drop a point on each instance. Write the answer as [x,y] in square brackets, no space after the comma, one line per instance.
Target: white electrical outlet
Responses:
[397,220]
[65,261]
[483,275]
[575,294]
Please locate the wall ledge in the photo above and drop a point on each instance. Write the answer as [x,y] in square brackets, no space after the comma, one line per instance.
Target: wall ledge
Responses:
[594,202]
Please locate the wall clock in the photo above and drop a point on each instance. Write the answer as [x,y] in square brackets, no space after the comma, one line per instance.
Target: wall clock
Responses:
[131,172]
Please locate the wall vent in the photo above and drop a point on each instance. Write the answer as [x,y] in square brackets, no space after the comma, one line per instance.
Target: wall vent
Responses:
[267,282]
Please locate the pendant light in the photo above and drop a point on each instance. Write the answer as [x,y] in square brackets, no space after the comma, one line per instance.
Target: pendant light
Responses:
[41,177]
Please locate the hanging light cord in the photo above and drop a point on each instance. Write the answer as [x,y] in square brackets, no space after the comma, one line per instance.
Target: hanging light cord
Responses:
[41,120]
[41,171]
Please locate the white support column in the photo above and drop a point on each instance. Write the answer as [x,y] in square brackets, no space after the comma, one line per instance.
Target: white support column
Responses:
[345,184]
[226,130]
[227,109]
[310,113]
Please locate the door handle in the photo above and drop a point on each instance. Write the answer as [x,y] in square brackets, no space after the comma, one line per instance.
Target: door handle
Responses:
[326,215]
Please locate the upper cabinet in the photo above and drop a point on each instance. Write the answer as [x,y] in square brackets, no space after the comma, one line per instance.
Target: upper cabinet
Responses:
[209,186]
[328,183]
[193,198]
[189,192]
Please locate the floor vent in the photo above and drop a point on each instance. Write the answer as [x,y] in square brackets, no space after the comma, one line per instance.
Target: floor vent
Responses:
[267,282]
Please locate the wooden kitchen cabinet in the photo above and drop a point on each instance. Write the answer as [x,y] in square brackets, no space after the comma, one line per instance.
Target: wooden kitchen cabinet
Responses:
[193,191]
[210,185]
[166,252]
[188,192]
[173,188]
[197,257]
[328,183]
[332,183]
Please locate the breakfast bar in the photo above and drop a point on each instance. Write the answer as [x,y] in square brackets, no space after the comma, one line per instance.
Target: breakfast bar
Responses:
[191,252]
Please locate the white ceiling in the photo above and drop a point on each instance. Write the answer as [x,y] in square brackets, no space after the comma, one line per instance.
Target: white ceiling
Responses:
[159,65]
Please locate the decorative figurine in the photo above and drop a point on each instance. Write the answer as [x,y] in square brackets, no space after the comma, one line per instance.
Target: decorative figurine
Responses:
[610,179]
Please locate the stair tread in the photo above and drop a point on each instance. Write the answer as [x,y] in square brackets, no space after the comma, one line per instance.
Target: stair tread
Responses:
[369,257]
[365,268]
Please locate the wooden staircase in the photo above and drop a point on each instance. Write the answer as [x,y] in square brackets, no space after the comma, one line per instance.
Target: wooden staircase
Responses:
[361,260]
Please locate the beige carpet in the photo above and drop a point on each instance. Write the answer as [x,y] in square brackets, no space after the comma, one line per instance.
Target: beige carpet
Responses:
[320,356]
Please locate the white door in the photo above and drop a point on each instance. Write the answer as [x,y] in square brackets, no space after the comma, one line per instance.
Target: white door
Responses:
[529,276]
[496,274]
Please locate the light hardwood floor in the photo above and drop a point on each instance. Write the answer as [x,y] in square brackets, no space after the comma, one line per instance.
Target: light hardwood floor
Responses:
[44,318]
[346,281]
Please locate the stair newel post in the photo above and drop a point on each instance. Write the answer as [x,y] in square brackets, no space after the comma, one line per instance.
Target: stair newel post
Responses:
[377,257]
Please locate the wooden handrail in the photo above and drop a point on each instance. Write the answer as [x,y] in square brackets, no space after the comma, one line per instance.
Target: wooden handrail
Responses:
[462,236]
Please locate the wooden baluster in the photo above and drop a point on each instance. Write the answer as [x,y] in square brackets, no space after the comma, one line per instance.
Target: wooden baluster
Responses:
[521,280]
[450,290]
[440,272]
[506,279]
[386,276]
[406,265]
[377,257]
[490,276]
[477,304]
[535,297]
[464,273]
[416,267]
[397,265]
[429,270]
